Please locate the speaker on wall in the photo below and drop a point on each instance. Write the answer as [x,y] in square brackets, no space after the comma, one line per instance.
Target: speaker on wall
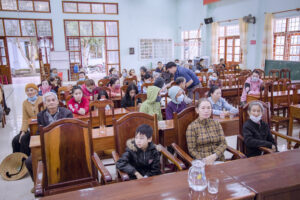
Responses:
[208,20]
[131,51]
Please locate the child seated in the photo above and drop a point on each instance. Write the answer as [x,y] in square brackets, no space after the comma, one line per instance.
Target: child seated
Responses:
[214,80]
[88,89]
[45,87]
[81,77]
[252,86]
[102,95]
[114,85]
[141,158]
[78,104]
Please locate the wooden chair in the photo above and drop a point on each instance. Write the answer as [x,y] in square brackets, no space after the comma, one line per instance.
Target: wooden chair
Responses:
[243,117]
[100,105]
[274,74]
[103,82]
[125,128]
[245,72]
[140,96]
[285,73]
[2,105]
[282,84]
[65,168]
[145,85]
[261,73]
[60,104]
[63,92]
[123,90]
[127,81]
[202,92]
[240,83]
[181,123]
[79,83]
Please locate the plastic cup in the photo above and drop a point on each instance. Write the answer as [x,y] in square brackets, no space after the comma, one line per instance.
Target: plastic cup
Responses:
[213,185]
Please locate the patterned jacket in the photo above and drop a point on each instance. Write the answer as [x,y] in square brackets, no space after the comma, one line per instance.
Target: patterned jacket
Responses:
[204,138]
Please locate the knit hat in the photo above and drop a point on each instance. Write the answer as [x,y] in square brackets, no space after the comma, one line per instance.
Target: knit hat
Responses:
[172,92]
[159,82]
[31,85]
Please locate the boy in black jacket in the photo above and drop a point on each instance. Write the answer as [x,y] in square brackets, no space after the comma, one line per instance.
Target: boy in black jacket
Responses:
[141,158]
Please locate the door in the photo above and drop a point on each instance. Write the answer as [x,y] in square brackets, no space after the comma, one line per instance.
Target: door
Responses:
[5,71]
[74,48]
[45,45]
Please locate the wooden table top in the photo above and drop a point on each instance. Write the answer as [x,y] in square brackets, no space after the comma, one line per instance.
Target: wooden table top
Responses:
[167,186]
[275,94]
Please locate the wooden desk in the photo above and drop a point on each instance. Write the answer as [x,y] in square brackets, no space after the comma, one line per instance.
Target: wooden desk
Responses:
[162,187]
[274,176]
[119,112]
[278,96]
[294,113]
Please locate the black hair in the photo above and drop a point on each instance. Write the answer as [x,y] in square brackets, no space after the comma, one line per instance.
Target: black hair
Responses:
[51,70]
[221,59]
[256,72]
[159,62]
[81,72]
[212,90]
[176,59]
[144,129]
[102,92]
[147,76]
[179,80]
[170,65]
[111,70]
[75,87]
[130,87]
[144,69]
[52,79]
[201,59]
[190,60]
[89,82]
[159,82]
[112,81]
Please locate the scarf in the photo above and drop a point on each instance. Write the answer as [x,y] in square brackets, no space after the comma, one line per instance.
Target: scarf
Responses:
[51,118]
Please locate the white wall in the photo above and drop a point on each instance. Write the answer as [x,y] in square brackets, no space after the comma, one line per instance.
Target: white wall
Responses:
[192,13]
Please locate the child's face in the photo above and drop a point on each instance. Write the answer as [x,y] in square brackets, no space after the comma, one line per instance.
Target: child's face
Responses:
[77,95]
[142,141]
[45,84]
[81,76]
[214,75]
[102,97]
[91,87]
[132,93]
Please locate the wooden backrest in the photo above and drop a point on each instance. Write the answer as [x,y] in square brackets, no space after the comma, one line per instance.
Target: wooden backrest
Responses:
[274,74]
[63,92]
[282,84]
[125,127]
[245,72]
[127,81]
[201,91]
[140,96]
[103,82]
[100,106]
[285,73]
[123,90]
[146,85]
[63,164]
[181,122]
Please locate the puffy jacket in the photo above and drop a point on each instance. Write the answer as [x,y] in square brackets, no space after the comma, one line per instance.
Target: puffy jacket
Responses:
[147,163]
[75,106]
[151,106]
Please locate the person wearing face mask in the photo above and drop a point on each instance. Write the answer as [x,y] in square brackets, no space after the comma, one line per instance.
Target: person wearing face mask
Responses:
[218,103]
[113,73]
[114,85]
[78,104]
[214,80]
[45,87]
[20,143]
[152,104]
[210,69]
[53,73]
[88,89]
[204,136]
[180,81]
[252,86]
[176,104]
[81,77]
[256,132]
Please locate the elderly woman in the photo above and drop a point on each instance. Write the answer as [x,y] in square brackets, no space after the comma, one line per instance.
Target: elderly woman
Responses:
[177,103]
[256,132]
[204,136]
[20,142]
[46,117]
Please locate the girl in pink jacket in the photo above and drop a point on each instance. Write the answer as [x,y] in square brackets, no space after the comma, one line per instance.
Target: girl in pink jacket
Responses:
[252,86]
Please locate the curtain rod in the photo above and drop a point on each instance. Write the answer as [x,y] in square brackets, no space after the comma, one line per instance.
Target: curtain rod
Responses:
[228,20]
[283,11]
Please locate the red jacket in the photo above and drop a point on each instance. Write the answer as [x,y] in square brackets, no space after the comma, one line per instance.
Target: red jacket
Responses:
[75,106]
[87,93]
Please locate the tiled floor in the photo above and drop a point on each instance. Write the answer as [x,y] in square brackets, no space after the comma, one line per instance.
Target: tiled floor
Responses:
[19,190]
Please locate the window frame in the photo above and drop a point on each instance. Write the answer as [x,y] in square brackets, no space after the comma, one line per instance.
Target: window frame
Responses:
[33,7]
[287,40]
[186,41]
[91,10]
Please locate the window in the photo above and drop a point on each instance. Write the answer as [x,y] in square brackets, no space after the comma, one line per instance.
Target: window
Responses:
[156,49]
[89,7]
[287,39]
[25,5]
[229,46]
[191,44]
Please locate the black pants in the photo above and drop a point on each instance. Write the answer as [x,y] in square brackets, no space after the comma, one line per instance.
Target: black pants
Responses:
[23,145]
[28,163]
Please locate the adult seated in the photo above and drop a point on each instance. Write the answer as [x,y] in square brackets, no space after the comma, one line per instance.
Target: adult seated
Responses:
[256,132]
[45,87]
[219,104]
[214,80]
[176,104]
[20,143]
[204,136]
[51,114]
[180,81]
[222,63]
[252,86]
[114,86]
[160,67]
[128,99]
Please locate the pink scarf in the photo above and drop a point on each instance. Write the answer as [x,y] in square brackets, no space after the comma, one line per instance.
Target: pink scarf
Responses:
[45,89]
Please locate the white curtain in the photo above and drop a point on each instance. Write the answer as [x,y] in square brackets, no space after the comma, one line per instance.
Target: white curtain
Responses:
[214,42]
[243,42]
[267,47]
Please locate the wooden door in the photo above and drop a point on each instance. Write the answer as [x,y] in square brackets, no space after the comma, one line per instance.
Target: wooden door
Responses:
[74,48]
[5,71]
[45,45]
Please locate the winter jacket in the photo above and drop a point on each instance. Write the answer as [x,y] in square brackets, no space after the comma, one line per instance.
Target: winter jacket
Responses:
[173,107]
[87,93]
[74,106]
[220,105]
[151,106]
[147,163]
[254,88]
[255,136]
